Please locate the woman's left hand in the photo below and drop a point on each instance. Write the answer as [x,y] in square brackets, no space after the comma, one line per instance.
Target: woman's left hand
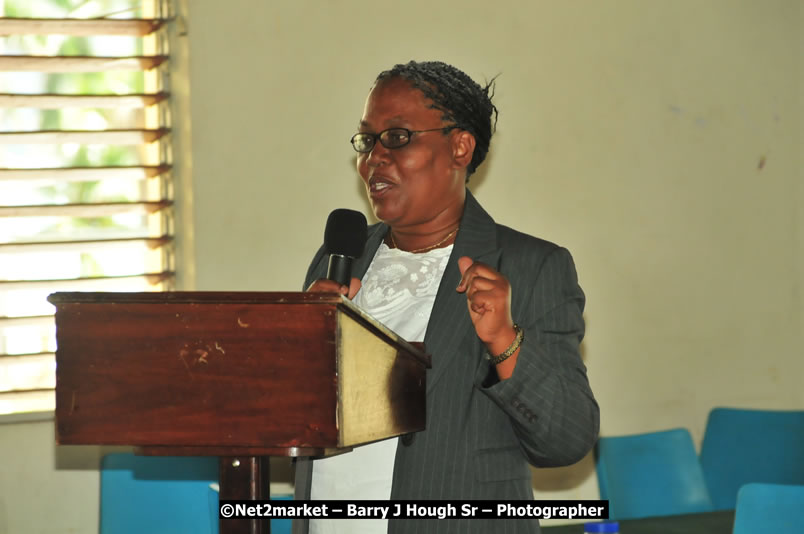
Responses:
[488,296]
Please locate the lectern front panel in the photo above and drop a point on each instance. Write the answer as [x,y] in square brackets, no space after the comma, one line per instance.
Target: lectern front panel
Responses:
[218,374]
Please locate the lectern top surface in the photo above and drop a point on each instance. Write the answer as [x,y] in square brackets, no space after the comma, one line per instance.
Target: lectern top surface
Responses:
[250,297]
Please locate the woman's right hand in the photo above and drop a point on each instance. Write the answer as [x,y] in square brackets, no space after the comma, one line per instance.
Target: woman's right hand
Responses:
[323,285]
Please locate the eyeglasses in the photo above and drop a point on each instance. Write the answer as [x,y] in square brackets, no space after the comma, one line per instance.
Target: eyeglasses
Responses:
[390,138]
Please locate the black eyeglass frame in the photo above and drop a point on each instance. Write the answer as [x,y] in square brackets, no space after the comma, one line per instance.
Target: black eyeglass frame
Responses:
[379,137]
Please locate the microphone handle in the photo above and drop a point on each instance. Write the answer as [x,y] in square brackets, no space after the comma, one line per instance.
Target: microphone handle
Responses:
[340,269]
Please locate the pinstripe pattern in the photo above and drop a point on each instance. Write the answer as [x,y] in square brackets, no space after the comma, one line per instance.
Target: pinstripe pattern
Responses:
[482,432]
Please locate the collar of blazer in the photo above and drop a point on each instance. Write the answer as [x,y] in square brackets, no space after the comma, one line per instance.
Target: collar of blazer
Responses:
[449,321]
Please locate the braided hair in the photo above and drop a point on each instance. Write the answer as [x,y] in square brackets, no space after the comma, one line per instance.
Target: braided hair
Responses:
[461,100]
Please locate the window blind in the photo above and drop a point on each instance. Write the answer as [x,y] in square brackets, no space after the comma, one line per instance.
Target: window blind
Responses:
[86,197]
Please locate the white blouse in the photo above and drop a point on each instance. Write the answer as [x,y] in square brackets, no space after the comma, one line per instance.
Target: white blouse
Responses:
[398,289]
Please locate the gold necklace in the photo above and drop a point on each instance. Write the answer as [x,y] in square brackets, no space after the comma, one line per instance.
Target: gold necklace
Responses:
[425,249]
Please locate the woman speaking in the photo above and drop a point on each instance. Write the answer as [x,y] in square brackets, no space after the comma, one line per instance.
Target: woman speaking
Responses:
[499,311]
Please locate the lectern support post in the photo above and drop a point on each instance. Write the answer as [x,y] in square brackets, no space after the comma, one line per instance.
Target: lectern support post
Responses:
[245,478]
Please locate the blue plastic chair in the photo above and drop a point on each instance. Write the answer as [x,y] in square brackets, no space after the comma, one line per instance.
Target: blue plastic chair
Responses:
[157,495]
[652,474]
[744,446]
[772,508]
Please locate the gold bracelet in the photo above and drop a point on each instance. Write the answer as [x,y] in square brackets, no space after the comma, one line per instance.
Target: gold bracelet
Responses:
[520,336]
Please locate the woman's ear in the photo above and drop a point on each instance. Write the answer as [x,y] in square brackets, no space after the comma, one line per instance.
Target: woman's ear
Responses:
[463,147]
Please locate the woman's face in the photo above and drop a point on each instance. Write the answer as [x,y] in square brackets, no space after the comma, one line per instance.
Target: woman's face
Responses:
[419,186]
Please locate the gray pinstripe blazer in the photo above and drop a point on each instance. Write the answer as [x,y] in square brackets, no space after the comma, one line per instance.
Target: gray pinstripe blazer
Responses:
[482,432]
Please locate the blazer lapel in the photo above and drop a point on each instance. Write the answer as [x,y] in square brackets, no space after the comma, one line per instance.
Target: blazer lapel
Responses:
[449,320]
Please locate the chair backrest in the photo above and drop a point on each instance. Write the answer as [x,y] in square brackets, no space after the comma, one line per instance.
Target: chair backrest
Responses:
[651,474]
[157,495]
[772,508]
[744,446]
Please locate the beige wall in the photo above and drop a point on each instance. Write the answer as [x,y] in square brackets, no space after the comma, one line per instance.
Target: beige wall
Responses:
[658,141]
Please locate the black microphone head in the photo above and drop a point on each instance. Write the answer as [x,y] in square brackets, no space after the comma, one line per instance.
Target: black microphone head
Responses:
[346,233]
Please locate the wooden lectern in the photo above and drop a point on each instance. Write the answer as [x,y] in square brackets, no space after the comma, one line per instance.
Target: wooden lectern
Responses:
[241,376]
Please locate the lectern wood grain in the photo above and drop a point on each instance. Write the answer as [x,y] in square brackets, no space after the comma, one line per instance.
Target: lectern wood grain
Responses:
[228,373]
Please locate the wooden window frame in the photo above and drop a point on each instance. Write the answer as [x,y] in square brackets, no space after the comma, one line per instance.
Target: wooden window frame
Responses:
[156,169]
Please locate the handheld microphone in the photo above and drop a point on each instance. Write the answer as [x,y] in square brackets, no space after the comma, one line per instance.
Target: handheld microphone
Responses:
[344,239]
